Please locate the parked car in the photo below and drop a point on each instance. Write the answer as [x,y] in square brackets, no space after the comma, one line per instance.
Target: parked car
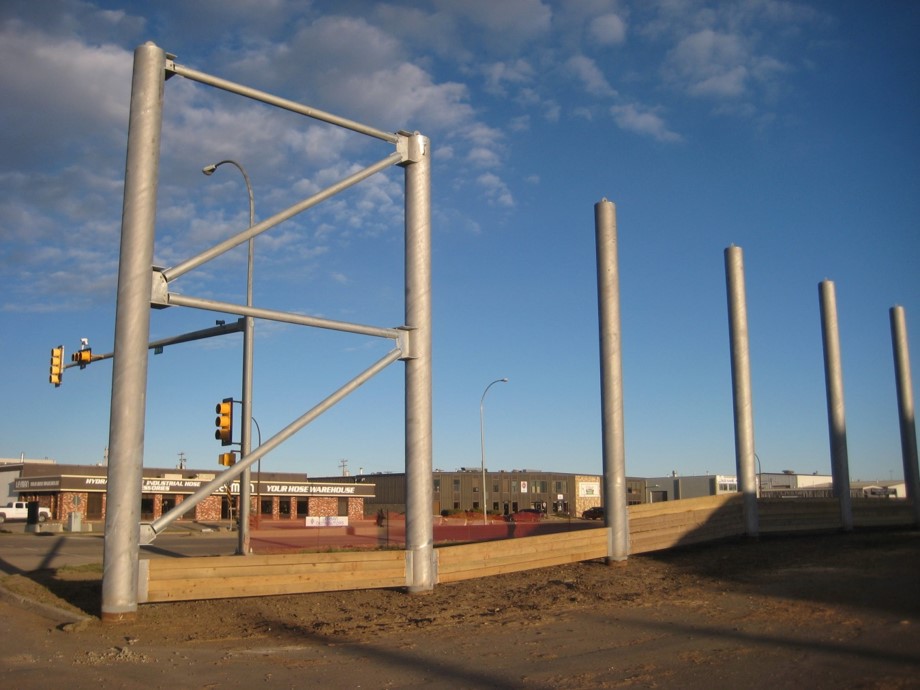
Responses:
[595,513]
[19,510]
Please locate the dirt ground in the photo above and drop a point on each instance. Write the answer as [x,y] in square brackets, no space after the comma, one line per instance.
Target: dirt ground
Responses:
[826,611]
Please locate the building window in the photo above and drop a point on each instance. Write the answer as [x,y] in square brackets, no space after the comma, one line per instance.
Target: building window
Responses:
[475,505]
[342,507]
[266,506]
[457,485]
[437,486]
[147,507]
[94,506]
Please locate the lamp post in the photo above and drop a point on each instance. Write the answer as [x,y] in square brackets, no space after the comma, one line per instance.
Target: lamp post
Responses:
[482,446]
[248,338]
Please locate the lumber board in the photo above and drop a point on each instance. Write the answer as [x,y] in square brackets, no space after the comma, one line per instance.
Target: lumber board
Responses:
[523,546]
[456,562]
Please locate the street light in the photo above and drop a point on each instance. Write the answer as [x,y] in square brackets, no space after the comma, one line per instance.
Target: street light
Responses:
[248,338]
[482,447]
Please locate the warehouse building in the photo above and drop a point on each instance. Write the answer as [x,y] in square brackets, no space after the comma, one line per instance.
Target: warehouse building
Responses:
[507,492]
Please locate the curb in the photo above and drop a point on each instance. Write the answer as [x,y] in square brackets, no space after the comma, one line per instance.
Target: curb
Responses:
[46,610]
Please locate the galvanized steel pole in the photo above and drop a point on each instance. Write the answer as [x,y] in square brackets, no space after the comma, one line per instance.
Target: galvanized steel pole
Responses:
[419,491]
[132,330]
[906,407]
[741,387]
[616,516]
[836,413]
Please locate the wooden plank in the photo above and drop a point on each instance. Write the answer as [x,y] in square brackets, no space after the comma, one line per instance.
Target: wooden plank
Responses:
[243,587]
[684,505]
[521,547]
[165,564]
[512,566]
[538,558]
[232,565]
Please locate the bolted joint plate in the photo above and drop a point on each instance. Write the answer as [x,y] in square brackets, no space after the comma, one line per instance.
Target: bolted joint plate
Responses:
[159,290]
[404,341]
[147,534]
[412,146]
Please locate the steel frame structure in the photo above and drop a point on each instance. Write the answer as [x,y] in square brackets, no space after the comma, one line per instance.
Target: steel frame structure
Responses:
[141,286]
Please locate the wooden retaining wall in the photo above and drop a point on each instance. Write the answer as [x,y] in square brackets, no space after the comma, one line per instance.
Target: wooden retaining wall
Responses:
[467,561]
[224,577]
[657,526]
[652,527]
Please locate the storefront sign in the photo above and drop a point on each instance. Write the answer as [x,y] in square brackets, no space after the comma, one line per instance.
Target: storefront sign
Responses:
[589,490]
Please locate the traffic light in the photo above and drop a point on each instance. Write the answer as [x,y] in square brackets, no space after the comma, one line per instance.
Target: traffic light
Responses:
[227,459]
[82,357]
[224,422]
[57,365]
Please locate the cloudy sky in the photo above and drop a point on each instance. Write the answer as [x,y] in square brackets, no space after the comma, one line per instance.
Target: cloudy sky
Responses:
[790,129]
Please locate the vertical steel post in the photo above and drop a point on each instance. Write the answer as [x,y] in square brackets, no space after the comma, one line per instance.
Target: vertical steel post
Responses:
[249,335]
[132,330]
[419,490]
[741,387]
[906,407]
[616,516]
[836,413]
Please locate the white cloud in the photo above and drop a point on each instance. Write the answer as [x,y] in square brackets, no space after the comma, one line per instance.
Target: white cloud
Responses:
[514,19]
[647,122]
[60,95]
[495,189]
[607,30]
[500,74]
[589,74]
[710,63]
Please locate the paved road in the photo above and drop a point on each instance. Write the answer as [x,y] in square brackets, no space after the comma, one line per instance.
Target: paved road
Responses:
[25,552]
[22,551]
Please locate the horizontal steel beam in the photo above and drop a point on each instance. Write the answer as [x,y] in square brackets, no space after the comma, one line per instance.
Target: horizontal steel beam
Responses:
[276,101]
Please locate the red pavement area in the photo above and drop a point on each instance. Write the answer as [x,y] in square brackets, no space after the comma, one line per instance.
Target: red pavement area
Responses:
[286,537]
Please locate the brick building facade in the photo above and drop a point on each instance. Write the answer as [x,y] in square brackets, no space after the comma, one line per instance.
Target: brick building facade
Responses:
[81,489]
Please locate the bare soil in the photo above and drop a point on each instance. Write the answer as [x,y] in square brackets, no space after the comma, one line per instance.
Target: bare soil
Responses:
[822,611]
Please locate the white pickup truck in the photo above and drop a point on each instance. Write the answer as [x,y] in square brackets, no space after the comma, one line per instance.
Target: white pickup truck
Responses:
[19,510]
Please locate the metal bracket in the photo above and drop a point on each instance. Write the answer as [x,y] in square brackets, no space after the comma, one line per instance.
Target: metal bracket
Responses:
[411,145]
[147,533]
[159,289]
[404,340]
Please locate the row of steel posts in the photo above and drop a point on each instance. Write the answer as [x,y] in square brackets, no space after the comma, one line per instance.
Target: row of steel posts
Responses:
[742,398]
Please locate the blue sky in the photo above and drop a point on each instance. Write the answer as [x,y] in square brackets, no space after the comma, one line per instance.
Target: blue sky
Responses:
[790,129]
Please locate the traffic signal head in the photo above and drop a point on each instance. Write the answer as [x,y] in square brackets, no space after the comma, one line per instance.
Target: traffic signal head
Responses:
[224,422]
[57,365]
[82,357]
[227,459]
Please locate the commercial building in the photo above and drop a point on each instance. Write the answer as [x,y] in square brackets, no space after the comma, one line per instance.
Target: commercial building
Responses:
[81,489]
[506,492]
[675,487]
